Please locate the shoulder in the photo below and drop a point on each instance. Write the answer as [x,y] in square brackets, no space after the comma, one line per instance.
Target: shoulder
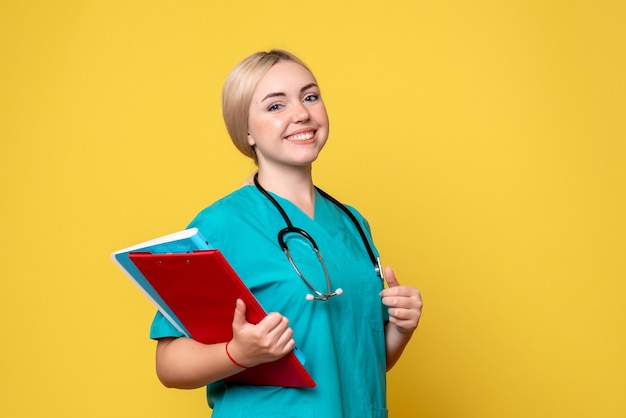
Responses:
[232,205]
[354,211]
[236,219]
[359,217]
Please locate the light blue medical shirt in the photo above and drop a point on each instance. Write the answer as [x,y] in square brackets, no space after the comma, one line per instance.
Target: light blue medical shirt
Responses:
[342,338]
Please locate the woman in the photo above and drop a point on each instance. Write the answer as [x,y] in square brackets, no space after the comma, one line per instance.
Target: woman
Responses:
[350,329]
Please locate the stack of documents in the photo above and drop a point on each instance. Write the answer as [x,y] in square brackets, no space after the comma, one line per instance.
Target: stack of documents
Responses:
[196,289]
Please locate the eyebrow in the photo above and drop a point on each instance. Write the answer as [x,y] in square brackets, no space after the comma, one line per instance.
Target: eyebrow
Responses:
[280,94]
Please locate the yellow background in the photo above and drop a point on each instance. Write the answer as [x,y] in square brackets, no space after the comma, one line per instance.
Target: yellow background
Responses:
[485,141]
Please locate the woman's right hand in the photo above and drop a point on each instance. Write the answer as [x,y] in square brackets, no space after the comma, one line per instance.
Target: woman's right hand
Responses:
[188,364]
[253,344]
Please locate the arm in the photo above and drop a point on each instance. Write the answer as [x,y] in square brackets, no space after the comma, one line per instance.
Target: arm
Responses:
[187,364]
[405,309]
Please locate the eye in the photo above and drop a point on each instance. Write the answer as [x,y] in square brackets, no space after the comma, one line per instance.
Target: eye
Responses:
[275,107]
[311,97]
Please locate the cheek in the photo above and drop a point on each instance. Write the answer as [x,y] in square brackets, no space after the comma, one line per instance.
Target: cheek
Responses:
[265,125]
[265,129]
[255,129]
[322,115]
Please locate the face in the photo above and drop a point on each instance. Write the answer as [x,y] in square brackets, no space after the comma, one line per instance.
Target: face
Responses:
[288,124]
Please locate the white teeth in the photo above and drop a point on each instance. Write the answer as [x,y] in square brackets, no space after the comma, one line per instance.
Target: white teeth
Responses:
[301,137]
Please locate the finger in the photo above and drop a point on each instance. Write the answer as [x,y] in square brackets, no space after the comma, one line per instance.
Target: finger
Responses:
[278,339]
[402,313]
[404,325]
[390,277]
[273,322]
[239,318]
[289,346]
[402,296]
[285,340]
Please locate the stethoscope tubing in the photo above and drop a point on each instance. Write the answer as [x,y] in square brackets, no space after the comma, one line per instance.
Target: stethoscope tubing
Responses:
[290,228]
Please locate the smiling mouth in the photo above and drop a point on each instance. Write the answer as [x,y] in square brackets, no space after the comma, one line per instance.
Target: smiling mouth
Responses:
[304,136]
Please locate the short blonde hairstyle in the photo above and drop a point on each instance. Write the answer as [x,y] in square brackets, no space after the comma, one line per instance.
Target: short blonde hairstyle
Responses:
[239,89]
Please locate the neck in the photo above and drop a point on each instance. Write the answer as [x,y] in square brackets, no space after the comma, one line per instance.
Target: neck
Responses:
[295,186]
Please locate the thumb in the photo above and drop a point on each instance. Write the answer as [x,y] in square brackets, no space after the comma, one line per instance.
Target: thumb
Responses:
[239,319]
[390,277]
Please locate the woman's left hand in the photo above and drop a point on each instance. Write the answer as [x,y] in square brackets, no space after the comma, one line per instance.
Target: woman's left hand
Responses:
[404,303]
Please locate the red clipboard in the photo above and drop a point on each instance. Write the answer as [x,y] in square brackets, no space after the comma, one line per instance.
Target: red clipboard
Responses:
[201,289]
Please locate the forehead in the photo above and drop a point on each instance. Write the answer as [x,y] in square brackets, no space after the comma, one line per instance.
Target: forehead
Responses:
[285,77]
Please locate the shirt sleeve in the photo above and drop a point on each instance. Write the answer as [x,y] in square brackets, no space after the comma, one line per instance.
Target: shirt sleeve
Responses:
[162,328]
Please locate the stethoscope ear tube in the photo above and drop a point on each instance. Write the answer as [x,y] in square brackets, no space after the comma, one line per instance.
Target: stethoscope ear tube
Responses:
[368,247]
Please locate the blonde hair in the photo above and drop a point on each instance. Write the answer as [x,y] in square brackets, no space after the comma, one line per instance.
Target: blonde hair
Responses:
[238,90]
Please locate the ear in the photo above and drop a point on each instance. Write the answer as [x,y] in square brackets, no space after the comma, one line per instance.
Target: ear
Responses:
[251,141]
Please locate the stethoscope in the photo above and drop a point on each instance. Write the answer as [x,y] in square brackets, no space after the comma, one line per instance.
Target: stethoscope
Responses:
[317,295]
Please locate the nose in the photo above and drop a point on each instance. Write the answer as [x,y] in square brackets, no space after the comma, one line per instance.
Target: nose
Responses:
[300,113]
